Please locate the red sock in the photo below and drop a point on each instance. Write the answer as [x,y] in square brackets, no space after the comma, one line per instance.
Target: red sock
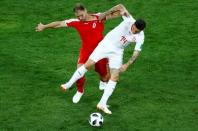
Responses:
[80,84]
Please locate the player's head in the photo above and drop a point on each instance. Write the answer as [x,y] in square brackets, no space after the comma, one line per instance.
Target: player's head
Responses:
[80,12]
[138,26]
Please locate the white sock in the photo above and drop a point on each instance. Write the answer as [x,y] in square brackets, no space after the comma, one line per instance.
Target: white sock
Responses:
[107,92]
[102,85]
[79,73]
[103,82]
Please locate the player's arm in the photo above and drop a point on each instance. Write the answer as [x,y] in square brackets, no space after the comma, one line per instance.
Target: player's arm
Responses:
[114,12]
[56,24]
[131,61]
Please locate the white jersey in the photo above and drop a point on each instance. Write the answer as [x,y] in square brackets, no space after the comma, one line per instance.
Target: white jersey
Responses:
[112,46]
[121,36]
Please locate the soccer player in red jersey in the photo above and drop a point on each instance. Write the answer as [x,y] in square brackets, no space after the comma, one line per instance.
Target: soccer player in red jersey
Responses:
[90,29]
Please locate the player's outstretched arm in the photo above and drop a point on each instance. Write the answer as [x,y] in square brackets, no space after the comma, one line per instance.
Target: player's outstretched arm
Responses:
[56,24]
[114,12]
[130,61]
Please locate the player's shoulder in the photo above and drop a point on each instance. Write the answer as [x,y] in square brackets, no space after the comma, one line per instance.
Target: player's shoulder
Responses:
[72,20]
[140,36]
[128,19]
[96,14]
[141,33]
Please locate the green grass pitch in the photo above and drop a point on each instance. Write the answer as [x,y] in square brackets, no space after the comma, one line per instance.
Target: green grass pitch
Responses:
[158,93]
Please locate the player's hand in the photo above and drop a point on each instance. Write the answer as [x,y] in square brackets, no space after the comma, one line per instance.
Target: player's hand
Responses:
[40,27]
[102,16]
[123,68]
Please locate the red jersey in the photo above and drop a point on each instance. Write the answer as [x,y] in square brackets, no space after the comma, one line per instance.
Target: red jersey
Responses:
[91,33]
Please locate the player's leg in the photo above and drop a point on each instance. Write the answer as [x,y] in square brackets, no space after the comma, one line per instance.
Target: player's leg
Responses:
[80,88]
[83,57]
[96,55]
[115,62]
[108,91]
[80,82]
[79,73]
[102,68]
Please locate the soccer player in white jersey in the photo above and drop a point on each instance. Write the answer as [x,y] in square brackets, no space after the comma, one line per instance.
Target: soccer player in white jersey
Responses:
[112,48]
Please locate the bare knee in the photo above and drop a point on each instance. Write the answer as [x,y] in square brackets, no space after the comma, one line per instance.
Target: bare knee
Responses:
[114,74]
[79,65]
[88,64]
[114,77]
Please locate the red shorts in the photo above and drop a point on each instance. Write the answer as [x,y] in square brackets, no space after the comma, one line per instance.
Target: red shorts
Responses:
[101,66]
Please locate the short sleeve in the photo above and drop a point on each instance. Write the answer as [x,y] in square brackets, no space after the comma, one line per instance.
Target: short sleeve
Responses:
[71,22]
[139,42]
[138,46]
[128,18]
[98,14]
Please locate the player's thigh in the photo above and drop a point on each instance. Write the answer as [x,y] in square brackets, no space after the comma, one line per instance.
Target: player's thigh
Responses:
[102,67]
[81,61]
[115,61]
[83,57]
[99,53]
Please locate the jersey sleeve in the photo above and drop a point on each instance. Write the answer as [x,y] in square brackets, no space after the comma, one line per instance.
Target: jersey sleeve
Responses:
[128,18]
[138,46]
[97,15]
[71,22]
[139,42]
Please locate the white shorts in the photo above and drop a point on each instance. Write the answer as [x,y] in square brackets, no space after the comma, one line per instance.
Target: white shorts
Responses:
[105,49]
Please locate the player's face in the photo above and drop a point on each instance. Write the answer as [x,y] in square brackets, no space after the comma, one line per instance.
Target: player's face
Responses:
[134,29]
[81,14]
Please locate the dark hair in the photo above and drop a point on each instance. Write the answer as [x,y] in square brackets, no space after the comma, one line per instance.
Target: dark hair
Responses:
[140,24]
[78,6]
